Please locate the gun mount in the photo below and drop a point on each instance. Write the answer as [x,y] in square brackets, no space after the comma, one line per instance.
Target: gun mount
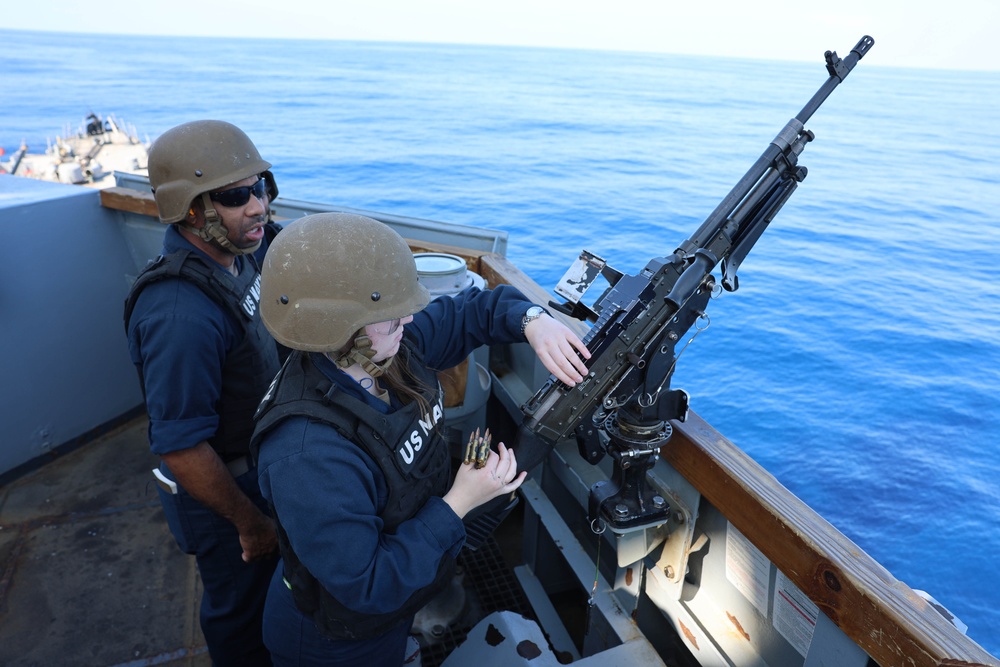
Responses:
[624,406]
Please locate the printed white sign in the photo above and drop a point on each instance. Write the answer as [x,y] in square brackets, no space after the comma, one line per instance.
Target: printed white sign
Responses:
[747,569]
[794,614]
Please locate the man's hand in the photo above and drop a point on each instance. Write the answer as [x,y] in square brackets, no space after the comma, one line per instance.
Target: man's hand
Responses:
[259,538]
[203,474]
[558,348]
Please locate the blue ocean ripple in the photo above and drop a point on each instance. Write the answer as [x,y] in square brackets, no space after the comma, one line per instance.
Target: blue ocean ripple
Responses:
[859,362]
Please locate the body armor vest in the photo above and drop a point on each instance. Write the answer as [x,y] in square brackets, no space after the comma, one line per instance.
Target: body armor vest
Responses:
[406,446]
[250,366]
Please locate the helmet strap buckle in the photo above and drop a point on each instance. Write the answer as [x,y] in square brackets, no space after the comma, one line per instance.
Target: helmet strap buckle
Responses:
[214,232]
[361,353]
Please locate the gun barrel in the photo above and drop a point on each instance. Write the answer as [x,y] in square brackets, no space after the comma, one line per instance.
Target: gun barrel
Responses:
[640,315]
[758,177]
[839,69]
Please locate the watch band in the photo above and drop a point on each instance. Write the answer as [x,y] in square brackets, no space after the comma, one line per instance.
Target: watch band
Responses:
[531,314]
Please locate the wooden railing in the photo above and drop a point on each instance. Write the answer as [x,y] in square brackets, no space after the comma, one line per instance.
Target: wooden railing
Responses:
[884,616]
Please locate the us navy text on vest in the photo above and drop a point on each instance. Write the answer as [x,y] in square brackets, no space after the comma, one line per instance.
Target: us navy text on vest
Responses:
[252,298]
[410,446]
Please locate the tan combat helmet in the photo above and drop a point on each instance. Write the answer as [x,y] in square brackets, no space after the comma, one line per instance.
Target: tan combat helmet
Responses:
[328,275]
[195,158]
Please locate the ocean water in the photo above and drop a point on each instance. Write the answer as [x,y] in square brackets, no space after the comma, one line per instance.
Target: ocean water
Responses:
[860,360]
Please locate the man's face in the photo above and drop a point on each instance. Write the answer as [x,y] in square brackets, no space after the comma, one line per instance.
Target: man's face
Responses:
[244,222]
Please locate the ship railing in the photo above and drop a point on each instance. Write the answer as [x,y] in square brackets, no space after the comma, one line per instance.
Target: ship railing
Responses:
[893,624]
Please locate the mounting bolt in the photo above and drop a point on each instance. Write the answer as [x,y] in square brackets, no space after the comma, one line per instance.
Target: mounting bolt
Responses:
[658,502]
[669,572]
[621,509]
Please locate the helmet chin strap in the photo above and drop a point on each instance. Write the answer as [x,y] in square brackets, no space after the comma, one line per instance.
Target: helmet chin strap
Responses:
[214,232]
[361,353]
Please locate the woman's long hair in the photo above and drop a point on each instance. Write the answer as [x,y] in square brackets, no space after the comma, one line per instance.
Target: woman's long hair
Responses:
[396,372]
[400,378]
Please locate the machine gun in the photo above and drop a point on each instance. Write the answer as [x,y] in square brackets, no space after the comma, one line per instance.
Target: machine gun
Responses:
[624,405]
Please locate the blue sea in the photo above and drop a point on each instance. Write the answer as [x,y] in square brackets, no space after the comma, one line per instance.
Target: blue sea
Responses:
[859,362]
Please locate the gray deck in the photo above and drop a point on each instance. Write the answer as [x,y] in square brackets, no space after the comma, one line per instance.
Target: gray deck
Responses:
[89,573]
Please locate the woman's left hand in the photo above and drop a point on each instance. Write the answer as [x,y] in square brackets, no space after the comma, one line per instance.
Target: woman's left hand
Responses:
[474,486]
[558,348]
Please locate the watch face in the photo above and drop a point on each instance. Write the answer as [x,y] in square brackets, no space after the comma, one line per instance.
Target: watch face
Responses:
[534,311]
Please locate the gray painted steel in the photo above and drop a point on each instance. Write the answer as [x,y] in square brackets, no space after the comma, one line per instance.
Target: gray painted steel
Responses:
[63,280]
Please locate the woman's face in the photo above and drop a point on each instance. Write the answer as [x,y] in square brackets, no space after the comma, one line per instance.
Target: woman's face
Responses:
[385,337]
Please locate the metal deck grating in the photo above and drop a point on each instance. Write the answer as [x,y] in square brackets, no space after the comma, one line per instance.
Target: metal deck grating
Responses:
[492,584]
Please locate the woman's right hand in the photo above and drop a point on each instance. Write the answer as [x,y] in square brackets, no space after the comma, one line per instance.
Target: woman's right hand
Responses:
[476,486]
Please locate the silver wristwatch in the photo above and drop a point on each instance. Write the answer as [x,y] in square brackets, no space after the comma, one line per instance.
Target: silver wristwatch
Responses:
[532,313]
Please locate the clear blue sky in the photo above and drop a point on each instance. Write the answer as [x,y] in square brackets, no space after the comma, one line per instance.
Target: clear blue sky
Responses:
[949,34]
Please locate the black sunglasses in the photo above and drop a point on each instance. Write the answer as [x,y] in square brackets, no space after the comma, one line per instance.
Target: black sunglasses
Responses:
[234,197]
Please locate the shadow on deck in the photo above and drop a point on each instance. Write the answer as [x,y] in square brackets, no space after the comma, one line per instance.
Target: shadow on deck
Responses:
[89,573]
[91,576]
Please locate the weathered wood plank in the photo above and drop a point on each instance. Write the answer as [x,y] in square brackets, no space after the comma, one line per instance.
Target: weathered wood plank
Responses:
[882,614]
[498,270]
[471,257]
[142,203]
[130,201]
